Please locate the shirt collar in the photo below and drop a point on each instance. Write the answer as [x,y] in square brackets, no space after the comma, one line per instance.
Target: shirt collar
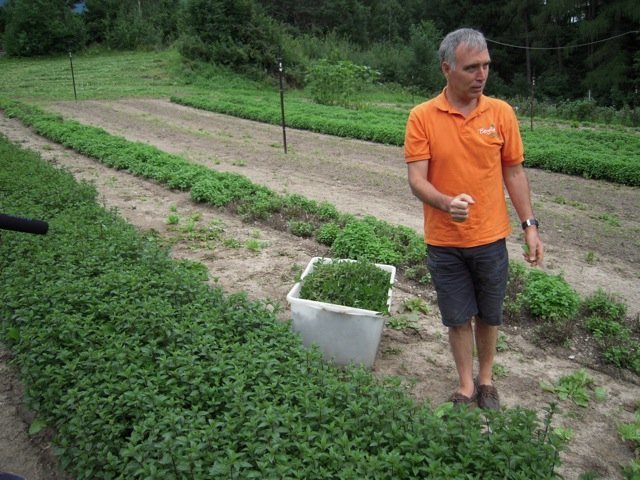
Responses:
[443,104]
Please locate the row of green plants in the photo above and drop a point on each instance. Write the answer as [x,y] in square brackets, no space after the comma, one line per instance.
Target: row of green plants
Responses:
[536,294]
[368,238]
[376,124]
[579,111]
[144,370]
[381,118]
[603,155]
[560,316]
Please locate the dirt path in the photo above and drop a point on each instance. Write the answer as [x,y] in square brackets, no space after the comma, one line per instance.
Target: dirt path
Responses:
[363,178]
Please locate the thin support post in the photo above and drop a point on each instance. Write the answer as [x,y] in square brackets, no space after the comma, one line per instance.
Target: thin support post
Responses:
[533,88]
[280,74]
[73,77]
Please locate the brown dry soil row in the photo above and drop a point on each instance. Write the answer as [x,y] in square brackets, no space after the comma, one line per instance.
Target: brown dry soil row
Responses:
[361,178]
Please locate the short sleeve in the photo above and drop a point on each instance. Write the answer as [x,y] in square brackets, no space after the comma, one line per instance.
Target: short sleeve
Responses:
[416,140]
[513,148]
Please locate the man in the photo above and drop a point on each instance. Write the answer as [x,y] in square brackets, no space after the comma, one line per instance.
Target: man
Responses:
[461,148]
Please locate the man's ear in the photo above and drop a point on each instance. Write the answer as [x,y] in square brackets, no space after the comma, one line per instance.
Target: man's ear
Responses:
[446,68]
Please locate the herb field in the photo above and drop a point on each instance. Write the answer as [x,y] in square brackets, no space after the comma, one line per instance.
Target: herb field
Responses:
[145,371]
[160,351]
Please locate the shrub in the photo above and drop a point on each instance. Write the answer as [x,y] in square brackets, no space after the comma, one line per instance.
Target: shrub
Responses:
[338,83]
[260,207]
[327,233]
[549,297]
[605,305]
[301,229]
[360,241]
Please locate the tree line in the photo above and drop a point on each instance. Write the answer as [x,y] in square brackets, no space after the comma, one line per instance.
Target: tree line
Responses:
[556,49]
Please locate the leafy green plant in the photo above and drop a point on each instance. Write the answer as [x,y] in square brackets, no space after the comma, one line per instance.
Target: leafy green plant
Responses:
[419,273]
[565,433]
[359,240]
[609,219]
[173,219]
[605,320]
[630,433]
[358,284]
[604,329]
[600,394]
[254,244]
[301,229]
[549,297]
[337,83]
[402,322]
[499,371]
[571,387]
[501,343]
[416,304]
[605,305]
[327,233]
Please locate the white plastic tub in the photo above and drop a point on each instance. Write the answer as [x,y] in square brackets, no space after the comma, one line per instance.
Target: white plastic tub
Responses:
[345,335]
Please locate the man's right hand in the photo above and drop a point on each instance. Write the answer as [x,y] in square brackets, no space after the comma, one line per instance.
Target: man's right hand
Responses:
[459,207]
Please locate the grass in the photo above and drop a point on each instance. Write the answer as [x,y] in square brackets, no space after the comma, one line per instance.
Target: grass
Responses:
[105,75]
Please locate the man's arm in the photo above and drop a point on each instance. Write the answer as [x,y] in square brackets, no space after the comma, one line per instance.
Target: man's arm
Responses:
[517,183]
[457,206]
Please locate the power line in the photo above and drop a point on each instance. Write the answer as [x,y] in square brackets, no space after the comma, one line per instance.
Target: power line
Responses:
[566,46]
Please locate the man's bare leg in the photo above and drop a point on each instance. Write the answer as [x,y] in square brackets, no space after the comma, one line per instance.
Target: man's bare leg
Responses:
[486,339]
[461,342]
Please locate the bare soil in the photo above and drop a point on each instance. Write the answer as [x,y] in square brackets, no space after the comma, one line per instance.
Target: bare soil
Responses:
[591,232]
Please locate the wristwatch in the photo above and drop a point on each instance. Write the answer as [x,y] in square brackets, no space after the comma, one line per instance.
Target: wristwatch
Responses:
[530,222]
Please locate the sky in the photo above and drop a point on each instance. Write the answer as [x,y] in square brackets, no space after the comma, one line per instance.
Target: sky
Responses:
[78,7]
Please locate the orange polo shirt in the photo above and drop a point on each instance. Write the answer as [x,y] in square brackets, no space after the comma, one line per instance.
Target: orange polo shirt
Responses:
[465,155]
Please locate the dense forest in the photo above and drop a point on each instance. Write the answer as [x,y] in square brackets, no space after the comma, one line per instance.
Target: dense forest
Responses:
[559,49]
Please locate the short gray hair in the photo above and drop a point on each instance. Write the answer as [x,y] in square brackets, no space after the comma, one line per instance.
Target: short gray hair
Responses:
[472,38]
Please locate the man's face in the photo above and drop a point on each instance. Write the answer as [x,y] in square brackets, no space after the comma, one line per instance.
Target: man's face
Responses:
[467,81]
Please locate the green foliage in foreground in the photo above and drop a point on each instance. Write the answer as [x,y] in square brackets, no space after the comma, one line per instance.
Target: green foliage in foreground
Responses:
[145,371]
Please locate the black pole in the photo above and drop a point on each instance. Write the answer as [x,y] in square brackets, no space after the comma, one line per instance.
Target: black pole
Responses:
[73,77]
[280,74]
[533,87]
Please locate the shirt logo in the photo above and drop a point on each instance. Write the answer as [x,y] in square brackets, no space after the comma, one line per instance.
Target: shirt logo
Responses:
[489,131]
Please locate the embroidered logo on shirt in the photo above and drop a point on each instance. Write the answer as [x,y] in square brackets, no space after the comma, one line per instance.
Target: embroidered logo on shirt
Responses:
[489,131]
